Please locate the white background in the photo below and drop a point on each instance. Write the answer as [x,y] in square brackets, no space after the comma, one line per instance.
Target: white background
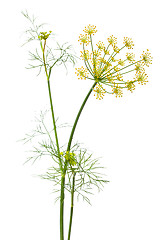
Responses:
[125,132]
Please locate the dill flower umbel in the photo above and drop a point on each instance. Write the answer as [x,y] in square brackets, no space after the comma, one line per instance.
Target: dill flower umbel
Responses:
[112,40]
[139,67]
[130,57]
[90,29]
[121,62]
[104,67]
[146,58]
[130,85]
[82,73]
[100,45]
[85,55]
[128,42]
[99,92]
[141,78]
[83,39]
[117,90]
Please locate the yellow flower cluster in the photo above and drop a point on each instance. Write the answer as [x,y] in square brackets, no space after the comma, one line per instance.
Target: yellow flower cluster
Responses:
[141,78]
[146,58]
[130,57]
[112,40]
[103,66]
[121,62]
[99,92]
[82,73]
[84,39]
[70,157]
[90,29]
[44,35]
[139,67]
[130,85]
[117,90]
[128,42]
[116,49]
[85,55]
[100,45]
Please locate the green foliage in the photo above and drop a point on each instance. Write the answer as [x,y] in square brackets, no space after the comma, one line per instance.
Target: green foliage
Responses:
[80,163]
[59,55]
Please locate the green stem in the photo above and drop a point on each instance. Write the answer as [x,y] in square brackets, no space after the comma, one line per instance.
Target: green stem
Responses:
[57,143]
[72,204]
[68,149]
[60,162]
[78,115]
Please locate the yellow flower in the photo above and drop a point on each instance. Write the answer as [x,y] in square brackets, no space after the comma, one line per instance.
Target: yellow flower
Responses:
[85,55]
[106,52]
[141,78]
[96,53]
[90,29]
[113,59]
[130,85]
[108,65]
[102,60]
[98,72]
[139,67]
[128,42]
[110,78]
[44,35]
[99,92]
[70,157]
[100,45]
[116,69]
[119,77]
[117,90]
[116,49]
[130,57]
[121,62]
[83,39]
[82,73]
[112,40]
[146,58]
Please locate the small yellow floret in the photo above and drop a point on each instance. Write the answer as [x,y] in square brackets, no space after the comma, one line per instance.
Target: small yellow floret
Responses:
[128,42]
[141,78]
[146,58]
[130,85]
[112,40]
[139,67]
[116,49]
[70,157]
[121,62]
[99,92]
[100,45]
[119,77]
[83,39]
[44,35]
[82,73]
[117,90]
[130,57]
[85,55]
[90,29]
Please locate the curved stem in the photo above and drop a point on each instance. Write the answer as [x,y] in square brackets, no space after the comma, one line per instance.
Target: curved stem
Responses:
[78,115]
[68,149]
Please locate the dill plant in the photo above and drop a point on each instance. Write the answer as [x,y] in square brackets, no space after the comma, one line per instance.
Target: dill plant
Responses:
[73,168]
